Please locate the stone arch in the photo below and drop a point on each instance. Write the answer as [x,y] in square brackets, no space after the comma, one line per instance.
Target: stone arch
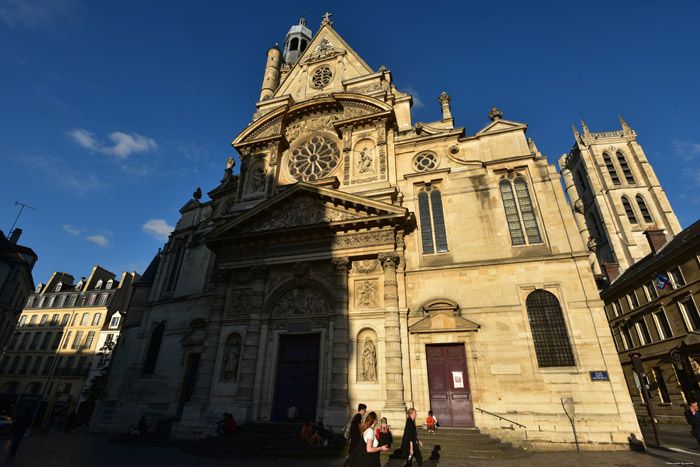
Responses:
[367,355]
[33,388]
[10,387]
[299,297]
[231,360]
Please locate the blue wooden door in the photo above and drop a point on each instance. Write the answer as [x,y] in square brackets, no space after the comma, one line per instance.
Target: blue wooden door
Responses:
[297,376]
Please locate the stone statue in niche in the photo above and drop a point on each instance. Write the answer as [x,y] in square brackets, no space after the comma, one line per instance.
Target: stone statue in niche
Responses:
[366,293]
[232,358]
[369,361]
[366,162]
[258,180]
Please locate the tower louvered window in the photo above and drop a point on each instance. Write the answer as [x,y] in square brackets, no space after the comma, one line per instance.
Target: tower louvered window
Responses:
[520,213]
[631,216]
[432,221]
[626,171]
[611,169]
[548,327]
[646,215]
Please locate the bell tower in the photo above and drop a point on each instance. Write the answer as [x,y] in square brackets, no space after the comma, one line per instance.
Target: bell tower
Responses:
[615,196]
[298,38]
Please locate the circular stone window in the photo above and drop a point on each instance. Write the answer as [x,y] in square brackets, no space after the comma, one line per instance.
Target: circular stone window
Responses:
[425,161]
[321,77]
[314,158]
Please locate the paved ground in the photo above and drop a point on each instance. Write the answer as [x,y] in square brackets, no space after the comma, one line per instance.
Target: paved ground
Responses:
[82,450]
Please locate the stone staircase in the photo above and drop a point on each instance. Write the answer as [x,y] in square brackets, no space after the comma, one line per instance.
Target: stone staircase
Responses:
[275,440]
[460,443]
[282,440]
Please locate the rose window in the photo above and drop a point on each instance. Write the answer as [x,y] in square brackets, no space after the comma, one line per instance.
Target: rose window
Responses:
[314,159]
[322,77]
[424,162]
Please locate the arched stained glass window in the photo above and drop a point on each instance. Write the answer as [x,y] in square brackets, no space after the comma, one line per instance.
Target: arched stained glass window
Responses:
[149,366]
[629,211]
[646,215]
[432,221]
[548,328]
[520,213]
[611,169]
[626,171]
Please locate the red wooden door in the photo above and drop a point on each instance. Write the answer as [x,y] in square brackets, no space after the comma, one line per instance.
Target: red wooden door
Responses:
[450,397]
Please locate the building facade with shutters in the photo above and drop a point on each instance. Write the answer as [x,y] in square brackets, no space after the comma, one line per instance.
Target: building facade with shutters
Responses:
[653,308]
[56,342]
[361,257]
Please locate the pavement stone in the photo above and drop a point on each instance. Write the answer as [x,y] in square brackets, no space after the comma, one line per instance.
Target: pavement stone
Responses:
[82,450]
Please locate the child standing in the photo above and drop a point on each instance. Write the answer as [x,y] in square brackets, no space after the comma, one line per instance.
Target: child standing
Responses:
[430,421]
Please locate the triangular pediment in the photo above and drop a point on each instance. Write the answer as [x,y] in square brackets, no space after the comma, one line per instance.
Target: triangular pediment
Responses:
[500,126]
[305,206]
[443,321]
[327,47]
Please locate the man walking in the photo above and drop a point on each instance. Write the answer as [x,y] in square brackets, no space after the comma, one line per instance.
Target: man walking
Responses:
[355,435]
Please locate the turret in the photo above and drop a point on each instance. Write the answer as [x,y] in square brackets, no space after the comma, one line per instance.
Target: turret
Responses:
[272,73]
[298,38]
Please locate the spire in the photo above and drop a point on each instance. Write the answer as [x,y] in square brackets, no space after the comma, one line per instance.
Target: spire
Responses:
[576,133]
[585,129]
[626,130]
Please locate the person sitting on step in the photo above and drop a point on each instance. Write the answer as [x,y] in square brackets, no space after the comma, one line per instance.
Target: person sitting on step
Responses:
[308,436]
[430,421]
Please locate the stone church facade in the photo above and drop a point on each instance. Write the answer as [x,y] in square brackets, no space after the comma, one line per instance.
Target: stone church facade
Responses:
[363,257]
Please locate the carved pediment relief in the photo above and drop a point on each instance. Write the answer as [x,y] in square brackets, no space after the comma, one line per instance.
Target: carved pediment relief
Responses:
[305,211]
[302,126]
[325,49]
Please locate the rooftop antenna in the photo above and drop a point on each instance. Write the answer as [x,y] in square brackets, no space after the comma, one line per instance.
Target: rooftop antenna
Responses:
[17,203]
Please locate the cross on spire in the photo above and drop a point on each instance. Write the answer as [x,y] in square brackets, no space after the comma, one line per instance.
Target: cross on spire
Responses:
[327,19]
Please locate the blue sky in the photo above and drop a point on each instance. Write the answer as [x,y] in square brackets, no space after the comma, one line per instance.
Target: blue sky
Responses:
[113,112]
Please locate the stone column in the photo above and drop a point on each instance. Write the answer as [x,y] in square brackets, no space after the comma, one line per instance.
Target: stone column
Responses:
[249,360]
[394,369]
[205,374]
[339,380]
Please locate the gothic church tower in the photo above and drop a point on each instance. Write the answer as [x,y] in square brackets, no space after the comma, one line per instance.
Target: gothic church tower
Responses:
[615,197]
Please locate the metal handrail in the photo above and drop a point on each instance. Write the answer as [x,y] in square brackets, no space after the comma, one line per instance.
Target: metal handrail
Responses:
[501,418]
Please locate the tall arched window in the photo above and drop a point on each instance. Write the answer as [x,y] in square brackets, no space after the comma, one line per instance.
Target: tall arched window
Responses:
[520,214]
[548,328]
[432,221]
[629,211]
[646,215]
[149,366]
[627,172]
[611,169]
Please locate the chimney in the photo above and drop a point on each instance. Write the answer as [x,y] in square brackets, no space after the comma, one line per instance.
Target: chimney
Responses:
[612,270]
[656,238]
[14,236]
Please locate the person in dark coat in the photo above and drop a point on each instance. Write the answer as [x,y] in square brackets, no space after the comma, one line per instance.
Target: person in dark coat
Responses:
[366,454]
[692,416]
[355,433]
[20,426]
[411,444]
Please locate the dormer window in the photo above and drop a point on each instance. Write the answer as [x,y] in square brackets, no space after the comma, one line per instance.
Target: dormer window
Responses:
[114,323]
[79,285]
[109,284]
[58,287]
[98,286]
[38,287]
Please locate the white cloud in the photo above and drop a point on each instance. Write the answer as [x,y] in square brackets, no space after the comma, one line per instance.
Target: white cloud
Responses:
[687,150]
[158,228]
[71,230]
[101,240]
[36,13]
[124,143]
[417,102]
[72,179]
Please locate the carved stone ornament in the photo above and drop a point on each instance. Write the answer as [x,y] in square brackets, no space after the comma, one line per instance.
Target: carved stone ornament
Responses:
[240,300]
[389,260]
[323,51]
[269,129]
[341,264]
[365,159]
[367,266]
[300,301]
[362,240]
[578,206]
[366,292]
[369,361]
[322,122]
[305,211]
[366,89]
[354,111]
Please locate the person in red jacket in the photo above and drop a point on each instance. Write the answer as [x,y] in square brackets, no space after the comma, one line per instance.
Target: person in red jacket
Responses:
[430,421]
[384,435]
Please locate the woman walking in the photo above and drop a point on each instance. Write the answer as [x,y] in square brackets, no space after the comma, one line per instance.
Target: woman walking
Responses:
[411,444]
[367,454]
